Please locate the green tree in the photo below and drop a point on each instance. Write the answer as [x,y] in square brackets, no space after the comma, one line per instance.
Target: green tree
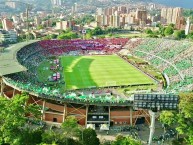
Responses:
[70,127]
[86,19]
[40,27]
[183,118]
[67,35]
[188,13]
[53,136]
[54,24]
[31,136]
[56,137]
[171,25]
[89,35]
[53,36]
[13,118]
[125,140]
[89,137]
[153,36]
[161,30]
[190,36]
[168,117]
[97,31]
[1,25]
[168,31]
[148,31]
[48,37]
[179,34]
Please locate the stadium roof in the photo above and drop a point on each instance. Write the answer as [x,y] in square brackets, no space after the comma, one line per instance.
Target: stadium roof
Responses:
[8,59]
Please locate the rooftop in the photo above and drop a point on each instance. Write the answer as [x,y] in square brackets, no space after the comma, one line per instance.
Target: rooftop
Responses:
[8,59]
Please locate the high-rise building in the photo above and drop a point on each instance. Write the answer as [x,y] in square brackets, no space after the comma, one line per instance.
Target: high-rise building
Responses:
[37,21]
[164,15]
[72,10]
[75,7]
[57,2]
[99,11]
[170,15]
[7,24]
[99,19]
[108,11]
[177,12]
[64,25]
[141,16]
[122,9]
[116,21]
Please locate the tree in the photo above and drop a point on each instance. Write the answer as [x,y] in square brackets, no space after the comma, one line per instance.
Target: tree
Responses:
[161,30]
[54,24]
[168,31]
[148,31]
[31,136]
[56,137]
[97,31]
[179,34]
[70,127]
[52,136]
[67,35]
[1,25]
[89,35]
[152,36]
[90,137]
[168,117]
[86,19]
[48,37]
[190,36]
[128,140]
[188,13]
[182,119]
[171,25]
[13,118]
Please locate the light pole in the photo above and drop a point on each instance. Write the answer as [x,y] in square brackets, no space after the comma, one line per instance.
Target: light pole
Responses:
[152,126]
[155,103]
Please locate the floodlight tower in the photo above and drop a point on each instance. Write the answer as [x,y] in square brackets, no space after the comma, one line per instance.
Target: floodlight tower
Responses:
[155,103]
[84,34]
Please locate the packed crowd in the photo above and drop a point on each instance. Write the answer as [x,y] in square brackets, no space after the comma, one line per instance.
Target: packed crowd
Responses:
[162,53]
[108,46]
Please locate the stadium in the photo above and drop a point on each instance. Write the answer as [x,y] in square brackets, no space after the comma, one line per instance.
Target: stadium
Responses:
[94,80]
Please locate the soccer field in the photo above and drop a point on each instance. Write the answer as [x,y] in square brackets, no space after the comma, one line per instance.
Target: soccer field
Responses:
[100,71]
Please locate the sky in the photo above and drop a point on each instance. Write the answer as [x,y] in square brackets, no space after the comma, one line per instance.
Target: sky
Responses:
[176,3]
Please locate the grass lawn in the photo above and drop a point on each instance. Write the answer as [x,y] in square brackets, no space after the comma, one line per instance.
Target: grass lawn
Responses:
[100,71]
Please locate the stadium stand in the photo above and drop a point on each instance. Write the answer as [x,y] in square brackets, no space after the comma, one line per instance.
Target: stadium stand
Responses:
[178,53]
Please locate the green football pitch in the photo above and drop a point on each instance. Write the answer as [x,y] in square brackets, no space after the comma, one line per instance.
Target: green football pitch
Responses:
[100,71]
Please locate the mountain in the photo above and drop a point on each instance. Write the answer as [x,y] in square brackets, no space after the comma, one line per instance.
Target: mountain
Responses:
[176,3]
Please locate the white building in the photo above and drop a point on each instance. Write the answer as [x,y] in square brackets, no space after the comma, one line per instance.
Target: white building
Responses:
[57,2]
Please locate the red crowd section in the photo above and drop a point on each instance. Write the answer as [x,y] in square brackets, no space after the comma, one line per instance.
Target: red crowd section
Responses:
[108,46]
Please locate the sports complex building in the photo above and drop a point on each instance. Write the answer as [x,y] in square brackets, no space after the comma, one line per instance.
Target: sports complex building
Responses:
[94,80]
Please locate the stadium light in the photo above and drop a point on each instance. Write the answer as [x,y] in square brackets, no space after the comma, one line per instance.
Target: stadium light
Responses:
[155,103]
